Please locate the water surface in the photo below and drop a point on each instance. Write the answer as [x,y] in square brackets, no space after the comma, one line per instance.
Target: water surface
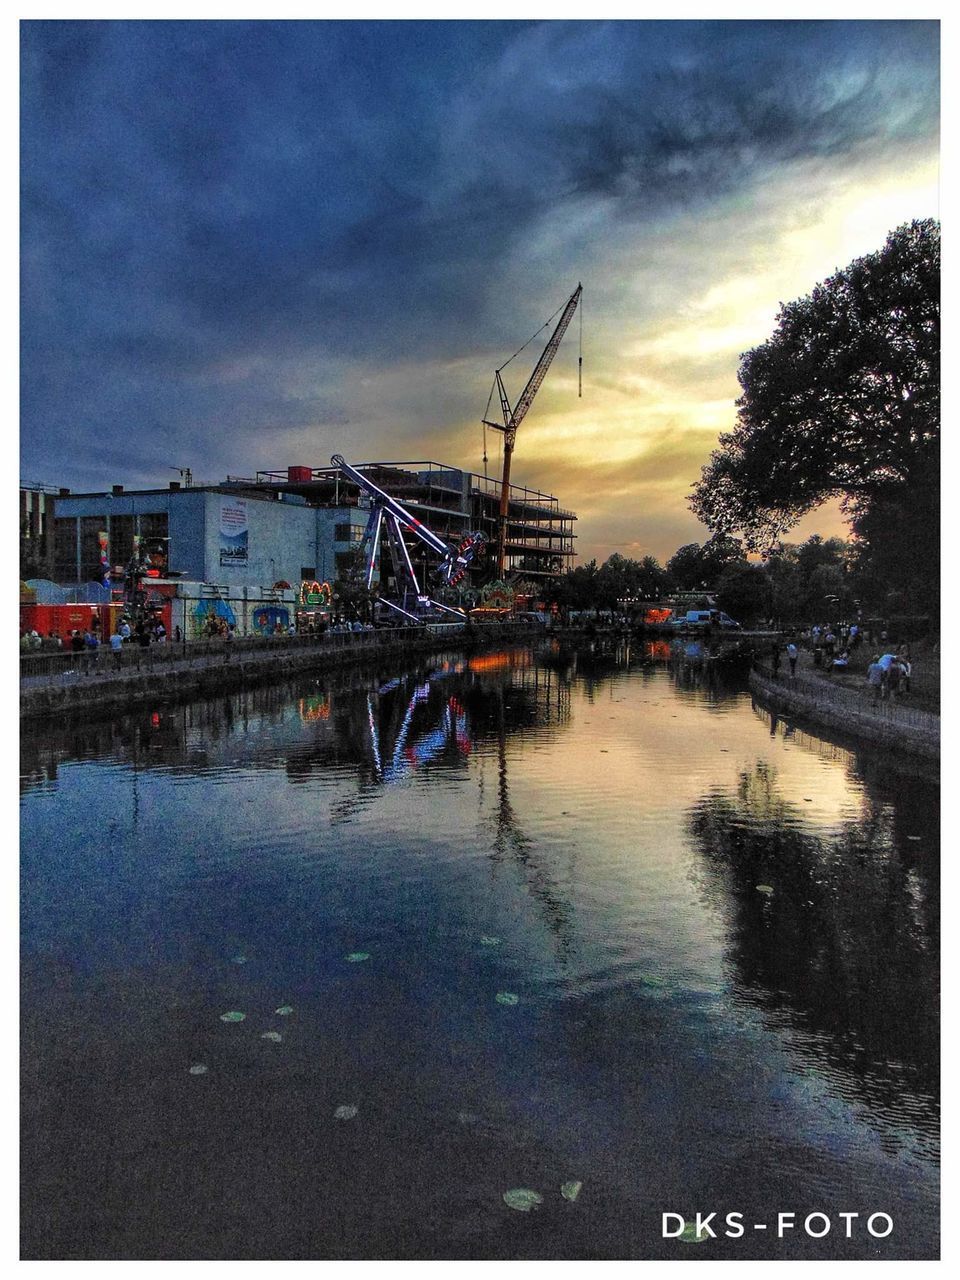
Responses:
[581,834]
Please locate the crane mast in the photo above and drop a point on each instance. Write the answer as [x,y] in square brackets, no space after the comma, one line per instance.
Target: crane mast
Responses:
[513,417]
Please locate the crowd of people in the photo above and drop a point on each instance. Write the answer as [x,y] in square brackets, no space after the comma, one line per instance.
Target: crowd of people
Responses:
[151,630]
[833,648]
[86,643]
[888,675]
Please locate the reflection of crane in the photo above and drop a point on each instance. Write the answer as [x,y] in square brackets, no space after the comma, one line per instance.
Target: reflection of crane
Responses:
[387,513]
[513,417]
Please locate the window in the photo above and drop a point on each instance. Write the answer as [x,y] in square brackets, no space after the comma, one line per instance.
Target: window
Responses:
[65,548]
[308,573]
[347,564]
[348,533]
[121,540]
[155,543]
[90,530]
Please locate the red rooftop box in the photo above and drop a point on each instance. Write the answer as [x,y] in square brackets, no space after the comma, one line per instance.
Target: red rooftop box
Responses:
[299,475]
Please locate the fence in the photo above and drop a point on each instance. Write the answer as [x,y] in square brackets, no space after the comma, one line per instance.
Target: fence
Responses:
[68,667]
[819,690]
[888,721]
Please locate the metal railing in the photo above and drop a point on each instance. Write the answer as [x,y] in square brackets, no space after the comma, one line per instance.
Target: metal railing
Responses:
[102,663]
[867,701]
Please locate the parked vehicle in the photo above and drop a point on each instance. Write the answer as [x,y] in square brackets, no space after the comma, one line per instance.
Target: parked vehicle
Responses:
[703,619]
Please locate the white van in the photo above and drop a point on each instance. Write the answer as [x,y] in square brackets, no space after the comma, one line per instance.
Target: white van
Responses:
[700,619]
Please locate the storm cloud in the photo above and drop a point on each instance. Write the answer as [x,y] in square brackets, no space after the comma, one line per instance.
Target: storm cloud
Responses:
[249,243]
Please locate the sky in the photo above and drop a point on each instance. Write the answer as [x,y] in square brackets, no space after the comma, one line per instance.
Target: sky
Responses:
[248,245]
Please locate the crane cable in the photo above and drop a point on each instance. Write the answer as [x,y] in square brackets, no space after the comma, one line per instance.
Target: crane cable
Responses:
[493,388]
[484,425]
[580,360]
[546,322]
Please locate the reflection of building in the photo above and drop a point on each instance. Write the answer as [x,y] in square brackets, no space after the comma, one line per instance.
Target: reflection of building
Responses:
[296,525]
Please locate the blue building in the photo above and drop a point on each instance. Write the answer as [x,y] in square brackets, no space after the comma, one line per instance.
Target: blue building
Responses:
[296,526]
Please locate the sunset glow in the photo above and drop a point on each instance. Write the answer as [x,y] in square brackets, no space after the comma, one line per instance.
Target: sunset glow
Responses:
[258,270]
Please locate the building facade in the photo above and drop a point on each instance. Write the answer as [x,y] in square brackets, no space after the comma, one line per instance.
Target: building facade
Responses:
[297,525]
[37,512]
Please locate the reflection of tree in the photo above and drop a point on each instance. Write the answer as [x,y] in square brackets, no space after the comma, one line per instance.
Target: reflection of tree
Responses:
[696,665]
[845,946]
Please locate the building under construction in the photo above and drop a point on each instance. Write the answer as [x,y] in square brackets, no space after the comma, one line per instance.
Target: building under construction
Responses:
[539,532]
[303,523]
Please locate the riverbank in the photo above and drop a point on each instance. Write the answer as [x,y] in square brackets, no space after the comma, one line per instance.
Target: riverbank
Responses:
[888,724]
[166,674]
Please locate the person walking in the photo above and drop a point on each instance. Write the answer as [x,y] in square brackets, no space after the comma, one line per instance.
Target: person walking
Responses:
[116,648]
[875,679]
[792,655]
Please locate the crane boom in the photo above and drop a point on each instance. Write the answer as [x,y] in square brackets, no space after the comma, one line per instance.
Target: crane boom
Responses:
[513,418]
[545,361]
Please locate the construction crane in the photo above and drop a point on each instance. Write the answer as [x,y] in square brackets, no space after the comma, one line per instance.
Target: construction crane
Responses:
[513,417]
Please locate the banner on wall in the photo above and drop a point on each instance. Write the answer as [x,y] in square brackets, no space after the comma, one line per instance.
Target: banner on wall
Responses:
[104,540]
[234,548]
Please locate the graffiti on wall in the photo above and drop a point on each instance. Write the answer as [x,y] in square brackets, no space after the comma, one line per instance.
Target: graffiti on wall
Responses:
[211,618]
[271,618]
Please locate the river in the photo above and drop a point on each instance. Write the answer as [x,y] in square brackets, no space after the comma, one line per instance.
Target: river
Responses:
[494,925]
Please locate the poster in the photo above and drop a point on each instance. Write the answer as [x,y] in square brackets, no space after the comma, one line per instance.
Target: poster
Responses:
[234,548]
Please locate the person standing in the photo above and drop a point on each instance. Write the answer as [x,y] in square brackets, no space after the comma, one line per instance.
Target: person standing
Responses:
[116,648]
[792,655]
[893,677]
[92,646]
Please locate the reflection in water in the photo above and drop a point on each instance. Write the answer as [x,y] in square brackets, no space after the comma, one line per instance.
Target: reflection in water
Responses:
[845,947]
[601,818]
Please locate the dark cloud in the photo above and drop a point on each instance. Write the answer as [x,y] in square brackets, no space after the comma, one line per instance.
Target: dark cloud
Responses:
[196,194]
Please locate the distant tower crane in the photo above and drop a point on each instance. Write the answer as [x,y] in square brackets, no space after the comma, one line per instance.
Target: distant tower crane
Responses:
[513,417]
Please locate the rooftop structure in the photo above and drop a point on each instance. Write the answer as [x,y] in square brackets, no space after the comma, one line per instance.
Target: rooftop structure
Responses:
[539,539]
[300,523]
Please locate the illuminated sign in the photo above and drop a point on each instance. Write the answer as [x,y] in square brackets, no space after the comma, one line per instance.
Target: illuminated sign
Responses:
[315,594]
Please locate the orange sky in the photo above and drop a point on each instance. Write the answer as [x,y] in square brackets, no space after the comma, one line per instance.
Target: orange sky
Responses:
[330,245]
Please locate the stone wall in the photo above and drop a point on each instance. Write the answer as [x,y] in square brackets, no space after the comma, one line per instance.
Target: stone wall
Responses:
[916,733]
[236,667]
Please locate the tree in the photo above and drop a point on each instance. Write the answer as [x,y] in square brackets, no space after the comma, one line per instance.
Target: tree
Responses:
[842,401]
[694,567]
[743,591]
